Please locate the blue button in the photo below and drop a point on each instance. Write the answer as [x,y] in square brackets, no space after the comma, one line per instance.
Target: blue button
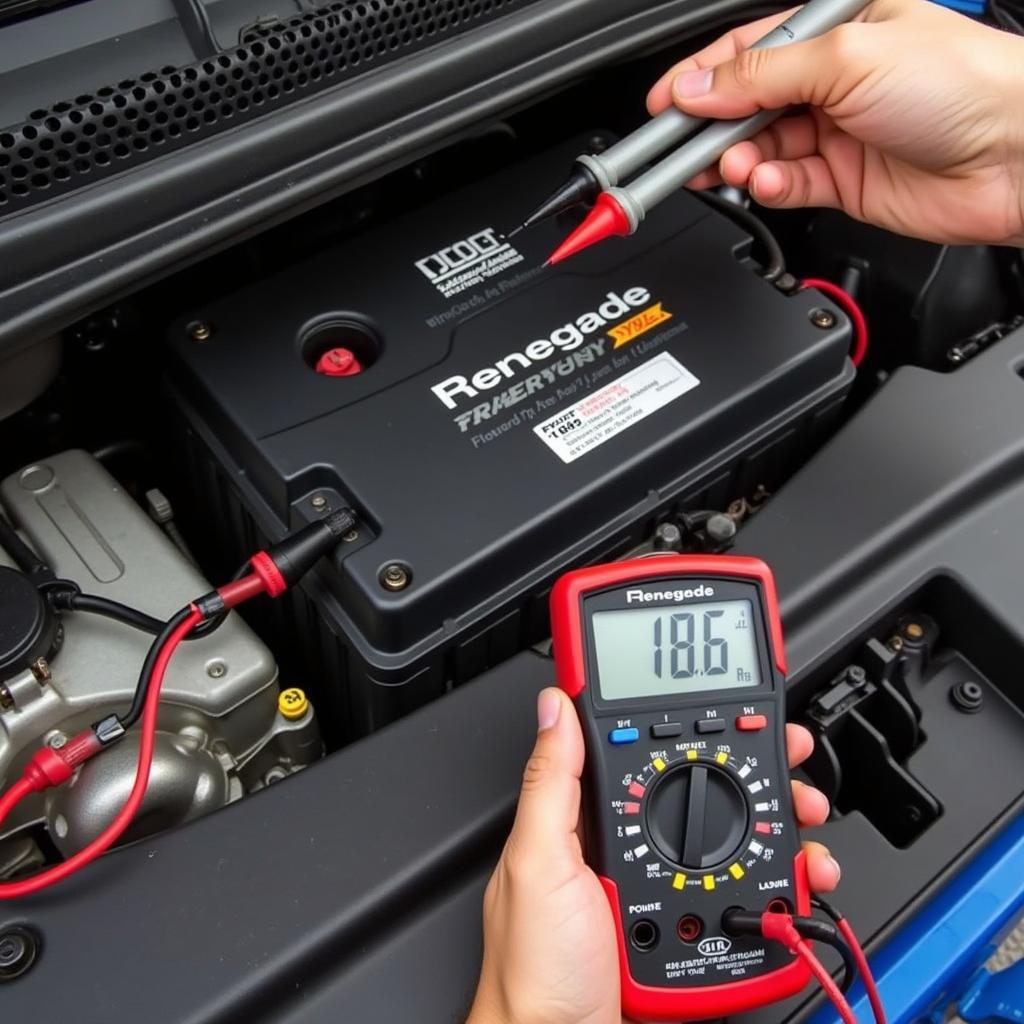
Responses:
[620,736]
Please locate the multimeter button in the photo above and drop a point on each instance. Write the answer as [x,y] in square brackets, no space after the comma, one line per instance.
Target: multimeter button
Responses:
[706,725]
[663,730]
[621,736]
[751,723]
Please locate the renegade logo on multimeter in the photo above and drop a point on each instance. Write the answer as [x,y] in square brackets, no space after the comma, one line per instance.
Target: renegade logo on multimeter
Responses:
[676,667]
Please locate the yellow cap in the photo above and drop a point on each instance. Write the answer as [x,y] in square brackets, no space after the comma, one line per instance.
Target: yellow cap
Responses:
[292,703]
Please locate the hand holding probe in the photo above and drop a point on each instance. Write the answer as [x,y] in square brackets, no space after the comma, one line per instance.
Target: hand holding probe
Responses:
[595,172]
[605,171]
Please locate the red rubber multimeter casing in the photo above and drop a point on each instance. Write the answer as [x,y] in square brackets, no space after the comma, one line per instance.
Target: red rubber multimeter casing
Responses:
[687,804]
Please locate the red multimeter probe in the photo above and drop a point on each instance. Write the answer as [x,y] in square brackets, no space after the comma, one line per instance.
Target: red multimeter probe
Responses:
[676,667]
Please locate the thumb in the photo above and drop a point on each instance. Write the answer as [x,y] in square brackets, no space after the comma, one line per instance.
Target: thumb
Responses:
[549,802]
[771,79]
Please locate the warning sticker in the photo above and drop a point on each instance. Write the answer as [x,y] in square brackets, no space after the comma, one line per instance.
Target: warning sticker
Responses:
[576,430]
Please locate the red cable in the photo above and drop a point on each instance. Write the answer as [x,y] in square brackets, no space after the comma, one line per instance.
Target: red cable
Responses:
[237,591]
[113,832]
[830,988]
[865,970]
[14,796]
[843,298]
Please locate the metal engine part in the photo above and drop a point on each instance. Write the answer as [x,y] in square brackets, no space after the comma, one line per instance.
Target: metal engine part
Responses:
[221,734]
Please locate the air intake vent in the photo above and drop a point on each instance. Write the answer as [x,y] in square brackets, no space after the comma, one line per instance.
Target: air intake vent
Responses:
[80,141]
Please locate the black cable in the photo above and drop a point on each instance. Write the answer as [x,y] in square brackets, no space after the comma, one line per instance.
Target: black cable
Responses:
[65,596]
[146,674]
[823,931]
[776,265]
[113,610]
[820,903]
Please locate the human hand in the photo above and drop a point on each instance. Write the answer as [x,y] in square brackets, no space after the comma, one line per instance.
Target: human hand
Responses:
[913,120]
[549,939]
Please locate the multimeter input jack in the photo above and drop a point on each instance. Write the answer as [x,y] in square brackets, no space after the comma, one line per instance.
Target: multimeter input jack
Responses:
[689,928]
[644,935]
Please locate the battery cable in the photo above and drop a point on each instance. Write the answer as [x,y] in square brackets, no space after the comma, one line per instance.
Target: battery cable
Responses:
[270,572]
[849,306]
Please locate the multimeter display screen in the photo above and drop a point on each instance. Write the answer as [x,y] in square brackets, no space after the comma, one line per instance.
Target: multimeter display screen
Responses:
[646,652]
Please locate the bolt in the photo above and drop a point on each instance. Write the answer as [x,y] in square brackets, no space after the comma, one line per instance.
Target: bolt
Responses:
[216,669]
[394,577]
[351,536]
[895,644]
[56,739]
[856,675]
[967,696]
[319,501]
[597,144]
[668,537]
[823,318]
[913,631]
[18,951]
[199,331]
[6,700]
[41,670]
[720,528]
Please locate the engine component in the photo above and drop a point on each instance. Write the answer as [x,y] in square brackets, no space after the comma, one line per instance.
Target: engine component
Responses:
[508,421]
[29,631]
[222,731]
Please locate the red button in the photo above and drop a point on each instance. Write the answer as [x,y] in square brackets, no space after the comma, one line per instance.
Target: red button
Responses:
[751,723]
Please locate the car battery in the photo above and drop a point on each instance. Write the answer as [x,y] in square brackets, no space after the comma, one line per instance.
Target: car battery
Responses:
[493,421]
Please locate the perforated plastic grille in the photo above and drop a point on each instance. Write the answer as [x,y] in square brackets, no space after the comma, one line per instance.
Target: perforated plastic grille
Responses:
[79,141]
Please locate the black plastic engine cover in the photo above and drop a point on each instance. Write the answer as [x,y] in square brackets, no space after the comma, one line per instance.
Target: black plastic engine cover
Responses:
[510,420]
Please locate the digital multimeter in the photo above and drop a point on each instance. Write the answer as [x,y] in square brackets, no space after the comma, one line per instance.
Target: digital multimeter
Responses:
[676,666]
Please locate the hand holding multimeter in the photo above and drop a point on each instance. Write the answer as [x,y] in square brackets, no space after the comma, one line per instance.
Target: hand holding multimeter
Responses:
[570,938]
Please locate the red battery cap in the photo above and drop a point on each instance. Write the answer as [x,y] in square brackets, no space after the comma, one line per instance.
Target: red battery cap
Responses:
[338,362]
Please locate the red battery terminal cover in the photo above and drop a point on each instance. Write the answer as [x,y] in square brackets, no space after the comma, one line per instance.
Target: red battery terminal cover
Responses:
[339,362]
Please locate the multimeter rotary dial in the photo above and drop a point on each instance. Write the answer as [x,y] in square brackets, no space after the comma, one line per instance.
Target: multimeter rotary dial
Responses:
[697,815]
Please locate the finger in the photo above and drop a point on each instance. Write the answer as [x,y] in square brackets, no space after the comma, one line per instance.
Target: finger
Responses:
[790,138]
[810,805]
[722,49]
[706,179]
[795,183]
[799,744]
[823,871]
[549,802]
[808,72]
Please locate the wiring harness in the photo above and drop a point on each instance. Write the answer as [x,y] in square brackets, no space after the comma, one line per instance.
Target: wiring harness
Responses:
[269,572]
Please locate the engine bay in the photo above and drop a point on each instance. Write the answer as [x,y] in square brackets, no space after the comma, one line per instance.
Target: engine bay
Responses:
[491,423]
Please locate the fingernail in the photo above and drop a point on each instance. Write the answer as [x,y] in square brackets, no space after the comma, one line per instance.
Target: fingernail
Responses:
[693,83]
[549,705]
[836,868]
[826,807]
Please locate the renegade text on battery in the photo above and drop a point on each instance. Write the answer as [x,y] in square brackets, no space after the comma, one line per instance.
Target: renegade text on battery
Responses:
[562,339]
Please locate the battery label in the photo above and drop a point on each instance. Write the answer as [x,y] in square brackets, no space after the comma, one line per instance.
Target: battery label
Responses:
[617,406]
[467,262]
